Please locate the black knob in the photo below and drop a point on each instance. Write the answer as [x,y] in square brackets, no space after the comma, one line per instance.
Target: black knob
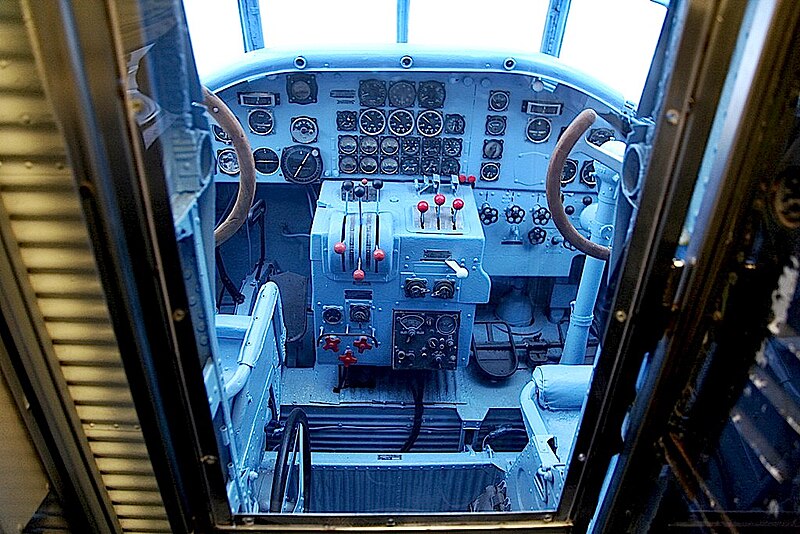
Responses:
[569,210]
[377,184]
[359,191]
[587,200]
[347,186]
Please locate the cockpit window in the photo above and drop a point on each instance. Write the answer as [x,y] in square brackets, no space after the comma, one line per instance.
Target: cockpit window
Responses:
[313,23]
[622,61]
[613,41]
[500,24]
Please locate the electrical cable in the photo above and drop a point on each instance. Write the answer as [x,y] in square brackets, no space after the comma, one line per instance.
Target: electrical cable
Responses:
[417,389]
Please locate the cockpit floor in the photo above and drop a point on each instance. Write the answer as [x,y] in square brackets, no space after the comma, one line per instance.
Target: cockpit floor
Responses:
[471,394]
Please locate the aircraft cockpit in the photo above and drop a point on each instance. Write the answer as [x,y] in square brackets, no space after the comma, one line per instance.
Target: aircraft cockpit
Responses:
[401,272]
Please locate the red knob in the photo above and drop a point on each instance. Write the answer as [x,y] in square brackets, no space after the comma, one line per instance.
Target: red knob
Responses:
[458,204]
[358,275]
[362,344]
[471,179]
[379,254]
[422,206]
[348,358]
[339,248]
[462,178]
[364,181]
[332,343]
[439,199]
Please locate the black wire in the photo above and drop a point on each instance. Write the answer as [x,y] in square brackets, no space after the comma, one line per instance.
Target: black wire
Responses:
[417,388]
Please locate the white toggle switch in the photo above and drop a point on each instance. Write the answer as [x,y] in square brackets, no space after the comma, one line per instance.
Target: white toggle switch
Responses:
[458,269]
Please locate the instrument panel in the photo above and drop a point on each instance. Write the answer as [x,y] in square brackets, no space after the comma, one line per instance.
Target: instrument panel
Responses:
[487,123]
[498,127]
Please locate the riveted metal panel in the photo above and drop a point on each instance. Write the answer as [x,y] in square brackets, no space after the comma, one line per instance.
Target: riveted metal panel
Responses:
[41,206]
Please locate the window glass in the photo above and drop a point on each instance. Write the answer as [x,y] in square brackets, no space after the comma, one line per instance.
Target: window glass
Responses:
[499,24]
[216,33]
[313,23]
[613,41]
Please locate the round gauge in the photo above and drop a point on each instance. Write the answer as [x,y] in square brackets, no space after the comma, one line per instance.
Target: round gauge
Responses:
[446,324]
[411,145]
[220,134]
[267,161]
[454,124]
[430,166]
[227,161]
[587,174]
[300,90]
[389,166]
[332,315]
[348,164]
[495,125]
[401,122]
[538,130]
[451,146]
[409,166]
[260,121]
[431,146]
[369,145]
[402,94]
[371,121]
[430,123]
[431,94]
[347,144]
[493,149]
[301,164]
[372,93]
[368,165]
[490,171]
[346,121]
[569,171]
[304,130]
[450,166]
[390,146]
[498,100]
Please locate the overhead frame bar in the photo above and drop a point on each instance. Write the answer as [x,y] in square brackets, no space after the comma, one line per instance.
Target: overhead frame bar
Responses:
[554,27]
[250,19]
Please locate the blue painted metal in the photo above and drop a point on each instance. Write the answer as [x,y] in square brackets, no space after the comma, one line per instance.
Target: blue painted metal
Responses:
[251,352]
[402,20]
[554,27]
[397,230]
[601,228]
[250,20]
[386,58]
[390,483]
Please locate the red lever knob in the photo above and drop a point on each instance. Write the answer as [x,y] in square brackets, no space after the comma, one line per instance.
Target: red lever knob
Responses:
[462,178]
[348,358]
[458,204]
[378,254]
[358,275]
[422,206]
[439,199]
[362,344]
[339,248]
[471,179]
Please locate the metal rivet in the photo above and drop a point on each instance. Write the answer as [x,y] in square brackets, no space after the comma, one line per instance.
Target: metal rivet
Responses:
[178,315]
[581,457]
[620,316]
[672,116]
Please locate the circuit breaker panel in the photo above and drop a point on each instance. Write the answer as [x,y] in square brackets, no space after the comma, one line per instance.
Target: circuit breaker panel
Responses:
[397,270]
